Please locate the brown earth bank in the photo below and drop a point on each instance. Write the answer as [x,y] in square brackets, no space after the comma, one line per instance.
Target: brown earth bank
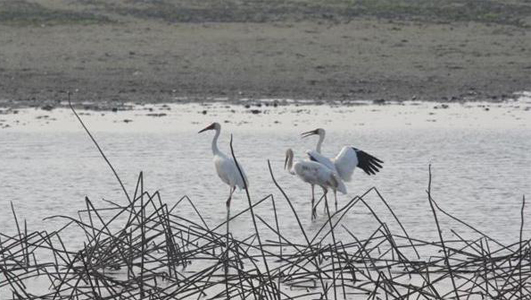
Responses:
[135,51]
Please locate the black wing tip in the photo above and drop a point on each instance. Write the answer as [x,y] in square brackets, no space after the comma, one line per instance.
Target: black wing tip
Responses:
[368,163]
[374,159]
[368,155]
[376,164]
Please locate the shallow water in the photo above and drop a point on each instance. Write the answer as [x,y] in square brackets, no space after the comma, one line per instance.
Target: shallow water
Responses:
[479,154]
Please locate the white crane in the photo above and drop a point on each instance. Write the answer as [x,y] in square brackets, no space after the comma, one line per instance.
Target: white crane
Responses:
[226,168]
[345,161]
[315,174]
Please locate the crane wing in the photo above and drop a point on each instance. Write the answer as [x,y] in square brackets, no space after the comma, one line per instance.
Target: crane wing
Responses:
[315,173]
[338,183]
[239,181]
[228,172]
[323,160]
[349,158]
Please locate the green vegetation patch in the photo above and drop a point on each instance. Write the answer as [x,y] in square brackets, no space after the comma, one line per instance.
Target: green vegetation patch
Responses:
[228,11]
[22,13]
[485,11]
[507,12]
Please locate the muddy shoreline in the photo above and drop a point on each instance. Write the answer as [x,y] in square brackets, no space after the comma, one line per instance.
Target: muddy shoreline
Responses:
[144,60]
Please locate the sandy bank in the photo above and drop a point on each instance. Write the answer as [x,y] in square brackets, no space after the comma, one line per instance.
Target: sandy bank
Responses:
[149,60]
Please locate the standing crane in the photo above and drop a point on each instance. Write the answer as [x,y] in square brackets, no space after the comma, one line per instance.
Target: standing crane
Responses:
[226,168]
[315,174]
[345,161]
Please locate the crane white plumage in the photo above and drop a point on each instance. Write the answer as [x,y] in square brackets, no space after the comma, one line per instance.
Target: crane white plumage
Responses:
[226,168]
[345,161]
[315,174]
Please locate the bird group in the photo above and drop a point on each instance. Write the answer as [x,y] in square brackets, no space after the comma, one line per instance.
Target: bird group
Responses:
[316,170]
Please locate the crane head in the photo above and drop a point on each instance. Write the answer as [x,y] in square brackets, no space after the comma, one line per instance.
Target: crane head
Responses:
[318,131]
[213,126]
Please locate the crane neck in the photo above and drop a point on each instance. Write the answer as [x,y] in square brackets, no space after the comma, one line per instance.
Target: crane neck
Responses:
[290,164]
[320,142]
[215,149]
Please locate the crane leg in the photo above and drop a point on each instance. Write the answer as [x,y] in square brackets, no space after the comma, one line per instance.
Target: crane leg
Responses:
[228,218]
[232,189]
[325,192]
[314,211]
[335,198]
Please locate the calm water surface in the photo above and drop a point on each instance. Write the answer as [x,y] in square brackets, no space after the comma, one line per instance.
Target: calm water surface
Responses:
[480,157]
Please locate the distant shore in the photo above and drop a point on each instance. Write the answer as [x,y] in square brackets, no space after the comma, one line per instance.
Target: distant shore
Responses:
[365,58]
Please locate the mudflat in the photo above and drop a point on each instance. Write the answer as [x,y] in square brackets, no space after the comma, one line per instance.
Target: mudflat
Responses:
[134,51]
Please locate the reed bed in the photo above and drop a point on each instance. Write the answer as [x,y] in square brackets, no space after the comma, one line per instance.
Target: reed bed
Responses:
[145,249]
[158,254]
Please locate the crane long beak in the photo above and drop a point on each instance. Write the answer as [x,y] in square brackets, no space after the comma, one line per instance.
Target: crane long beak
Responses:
[309,133]
[209,127]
